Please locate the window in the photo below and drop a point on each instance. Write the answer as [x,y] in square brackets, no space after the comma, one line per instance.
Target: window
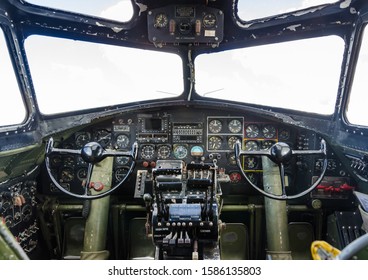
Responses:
[73,75]
[12,106]
[301,75]
[247,10]
[119,10]
[356,112]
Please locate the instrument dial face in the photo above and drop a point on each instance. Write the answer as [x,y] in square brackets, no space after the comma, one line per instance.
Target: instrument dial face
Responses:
[252,131]
[161,20]
[164,151]
[214,143]
[235,126]
[103,137]
[231,141]
[235,177]
[284,134]
[250,162]
[251,146]
[148,152]
[232,158]
[122,160]
[215,126]
[267,144]
[180,152]
[196,151]
[82,139]
[82,174]
[269,131]
[120,173]
[209,21]
[122,141]
[66,175]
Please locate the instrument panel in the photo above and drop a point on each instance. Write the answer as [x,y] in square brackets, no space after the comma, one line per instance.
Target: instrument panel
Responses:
[193,136]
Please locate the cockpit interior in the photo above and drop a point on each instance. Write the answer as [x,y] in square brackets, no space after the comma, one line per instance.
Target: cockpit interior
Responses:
[183,130]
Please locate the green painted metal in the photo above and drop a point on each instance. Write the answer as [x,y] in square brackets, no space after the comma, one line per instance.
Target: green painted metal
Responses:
[96,224]
[276,213]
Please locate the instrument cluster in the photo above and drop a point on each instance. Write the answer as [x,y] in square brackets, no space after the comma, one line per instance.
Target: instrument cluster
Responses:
[188,135]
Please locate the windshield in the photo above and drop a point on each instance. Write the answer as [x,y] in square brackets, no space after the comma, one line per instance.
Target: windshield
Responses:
[301,75]
[74,75]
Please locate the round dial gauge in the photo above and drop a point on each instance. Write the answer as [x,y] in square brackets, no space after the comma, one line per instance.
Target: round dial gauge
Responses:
[148,152]
[215,126]
[251,146]
[161,20]
[196,151]
[284,134]
[122,141]
[82,139]
[209,21]
[120,173]
[232,158]
[180,152]
[267,144]
[231,141]
[269,131]
[122,160]
[103,137]
[252,131]
[214,143]
[235,177]
[250,162]
[235,126]
[164,151]
[66,175]
[82,174]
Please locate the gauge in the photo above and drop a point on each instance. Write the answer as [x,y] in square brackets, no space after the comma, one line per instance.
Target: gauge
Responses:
[82,139]
[122,141]
[232,158]
[121,173]
[68,160]
[66,175]
[180,152]
[215,126]
[55,160]
[284,134]
[231,141]
[252,177]
[252,131]
[196,151]
[250,162]
[122,160]
[209,21]
[164,151]
[235,177]
[103,137]
[161,20]
[235,126]
[214,143]
[266,144]
[82,174]
[269,131]
[251,146]
[148,152]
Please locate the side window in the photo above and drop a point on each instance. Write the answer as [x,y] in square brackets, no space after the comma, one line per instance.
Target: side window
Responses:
[356,111]
[12,106]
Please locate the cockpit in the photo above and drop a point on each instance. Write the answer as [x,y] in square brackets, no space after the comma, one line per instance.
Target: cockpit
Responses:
[183,130]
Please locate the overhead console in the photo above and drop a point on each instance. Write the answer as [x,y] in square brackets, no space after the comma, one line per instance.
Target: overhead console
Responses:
[183,24]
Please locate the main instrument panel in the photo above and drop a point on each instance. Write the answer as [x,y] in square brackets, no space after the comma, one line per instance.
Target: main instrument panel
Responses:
[191,135]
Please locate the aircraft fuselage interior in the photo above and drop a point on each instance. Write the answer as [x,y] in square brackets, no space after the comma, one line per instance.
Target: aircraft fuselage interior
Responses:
[187,130]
